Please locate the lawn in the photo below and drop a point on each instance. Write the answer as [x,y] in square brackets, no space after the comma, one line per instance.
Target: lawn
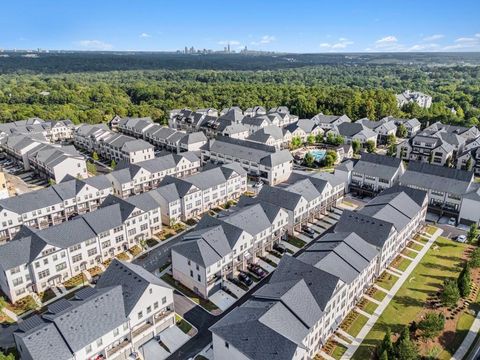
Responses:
[431,230]
[151,242]
[338,351]
[402,264]
[367,306]
[386,280]
[182,324]
[439,262]
[377,294]
[135,250]
[415,246]
[421,239]
[23,305]
[210,306]
[296,241]
[46,295]
[75,281]
[409,253]
[122,257]
[353,323]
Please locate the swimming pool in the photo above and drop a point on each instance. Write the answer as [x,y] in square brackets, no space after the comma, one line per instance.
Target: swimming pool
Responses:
[318,154]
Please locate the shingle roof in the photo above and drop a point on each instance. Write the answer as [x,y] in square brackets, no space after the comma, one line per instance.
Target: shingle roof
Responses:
[381,166]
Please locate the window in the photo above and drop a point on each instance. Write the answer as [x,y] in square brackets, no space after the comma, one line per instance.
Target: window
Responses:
[61,266]
[149,309]
[191,273]
[75,247]
[15,270]
[99,342]
[164,300]
[119,238]
[144,227]
[17,281]
[132,232]
[227,345]
[106,244]
[140,314]
[77,258]
[43,274]
[92,252]
[155,305]
[90,242]
[199,278]
[88,349]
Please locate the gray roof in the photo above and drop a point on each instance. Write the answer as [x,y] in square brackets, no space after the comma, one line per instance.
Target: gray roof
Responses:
[381,166]
[193,138]
[428,176]
[136,145]
[280,197]
[31,201]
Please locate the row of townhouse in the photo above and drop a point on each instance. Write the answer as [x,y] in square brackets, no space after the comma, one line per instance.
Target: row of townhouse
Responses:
[383,128]
[132,179]
[219,247]
[111,145]
[213,123]
[268,163]
[127,308]
[356,131]
[52,130]
[451,192]
[307,297]
[36,260]
[47,160]
[189,197]
[440,144]
[64,200]
[53,205]
[371,174]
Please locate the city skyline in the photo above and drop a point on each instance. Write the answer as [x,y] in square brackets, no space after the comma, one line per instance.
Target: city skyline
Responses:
[302,27]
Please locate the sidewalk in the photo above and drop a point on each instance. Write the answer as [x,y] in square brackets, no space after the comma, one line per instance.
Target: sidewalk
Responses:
[390,294]
[469,339]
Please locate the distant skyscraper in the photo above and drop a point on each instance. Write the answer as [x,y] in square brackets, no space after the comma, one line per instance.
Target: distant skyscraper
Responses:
[228,48]
[186,50]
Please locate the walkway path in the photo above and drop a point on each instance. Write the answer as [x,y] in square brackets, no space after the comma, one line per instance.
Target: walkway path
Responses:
[469,339]
[390,294]
[10,314]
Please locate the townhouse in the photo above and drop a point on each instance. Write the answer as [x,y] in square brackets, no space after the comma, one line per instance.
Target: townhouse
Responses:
[186,198]
[219,247]
[374,173]
[135,127]
[445,186]
[36,260]
[266,162]
[111,145]
[469,158]
[53,205]
[408,96]
[304,128]
[127,308]
[425,148]
[305,300]
[413,126]
[327,122]
[132,179]
[52,130]
[172,139]
[272,135]
[354,131]
[383,128]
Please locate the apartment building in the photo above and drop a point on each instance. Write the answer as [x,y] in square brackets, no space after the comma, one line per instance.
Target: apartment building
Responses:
[413,126]
[219,247]
[354,132]
[374,173]
[383,128]
[304,128]
[305,300]
[52,130]
[408,96]
[327,122]
[268,163]
[469,158]
[111,145]
[186,198]
[132,179]
[426,148]
[445,186]
[272,136]
[135,127]
[36,260]
[53,205]
[174,140]
[128,307]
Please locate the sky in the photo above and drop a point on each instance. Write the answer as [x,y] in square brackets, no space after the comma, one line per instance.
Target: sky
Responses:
[303,26]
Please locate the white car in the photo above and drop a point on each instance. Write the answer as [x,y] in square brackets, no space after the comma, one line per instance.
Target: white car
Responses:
[462,238]
[452,221]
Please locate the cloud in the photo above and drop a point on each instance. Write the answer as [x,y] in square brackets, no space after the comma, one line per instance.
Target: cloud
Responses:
[231,42]
[94,45]
[387,40]
[342,43]
[265,39]
[465,43]
[144,35]
[433,37]
[423,47]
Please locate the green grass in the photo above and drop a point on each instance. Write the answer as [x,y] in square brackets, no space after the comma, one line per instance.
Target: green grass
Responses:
[75,281]
[409,253]
[378,295]
[338,351]
[151,242]
[386,280]
[23,305]
[368,306]
[348,203]
[403,264]
[210,306]
[296,241]
[415,246]
[431,230]
[182,324]
[421,239]
[46,295]
[357,324]
[441,261]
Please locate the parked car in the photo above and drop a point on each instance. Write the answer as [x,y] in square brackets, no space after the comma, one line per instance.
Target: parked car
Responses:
[257,270]
[279,248]
[309,232]
[452,221]
[462,238]
[244,278]
[258,185]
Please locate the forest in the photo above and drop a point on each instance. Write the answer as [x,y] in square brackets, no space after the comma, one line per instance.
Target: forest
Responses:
[361,88]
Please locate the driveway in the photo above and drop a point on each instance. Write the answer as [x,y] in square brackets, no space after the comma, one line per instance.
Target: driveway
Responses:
[222,300]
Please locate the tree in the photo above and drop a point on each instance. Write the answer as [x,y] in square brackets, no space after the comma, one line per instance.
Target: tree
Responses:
[431,325]
[370,146]
[309,160]
[405,349]
[392,150]
[10,356]
[3,303]
[335,139]
[450,294]
[386,346]
[318,138]
[296,142]
[402,131]
[330,158]
[310,139]
[391,139]
[469,164]
[475,258]
[356,146]
[113,164]
[95,156]
[472,234]
[464,281]
[430,157]
[91,168]
[51,182]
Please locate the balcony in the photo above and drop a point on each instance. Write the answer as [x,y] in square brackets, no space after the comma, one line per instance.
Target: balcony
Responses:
[114,350]
[141,329]
[160,316]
